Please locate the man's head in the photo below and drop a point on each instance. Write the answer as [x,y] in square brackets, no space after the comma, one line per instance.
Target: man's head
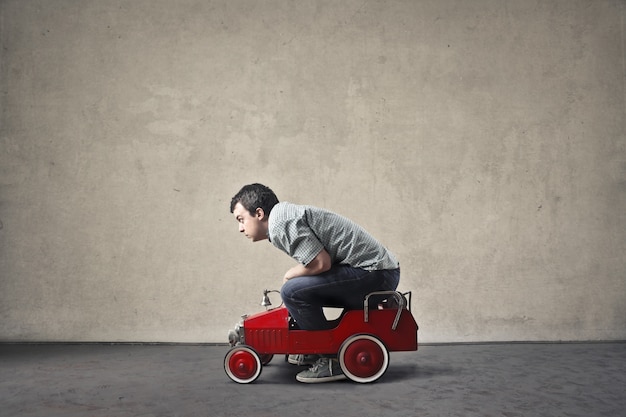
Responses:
[252,206]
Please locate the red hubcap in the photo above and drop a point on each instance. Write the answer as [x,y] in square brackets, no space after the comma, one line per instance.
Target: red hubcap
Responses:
[242,364]
[364,358]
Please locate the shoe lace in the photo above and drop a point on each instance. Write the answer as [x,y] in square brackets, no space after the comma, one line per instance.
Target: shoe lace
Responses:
[321,363]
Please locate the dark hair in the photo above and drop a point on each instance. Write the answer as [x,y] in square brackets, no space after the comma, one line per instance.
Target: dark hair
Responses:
[255,196]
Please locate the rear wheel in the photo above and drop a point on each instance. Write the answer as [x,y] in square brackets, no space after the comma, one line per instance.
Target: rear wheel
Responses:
[242,364]
[363,358]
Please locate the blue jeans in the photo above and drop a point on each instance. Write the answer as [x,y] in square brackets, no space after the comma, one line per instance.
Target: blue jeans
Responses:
[341,286]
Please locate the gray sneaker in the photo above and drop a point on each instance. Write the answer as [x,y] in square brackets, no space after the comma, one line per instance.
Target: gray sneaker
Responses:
[324,370]
[302,360]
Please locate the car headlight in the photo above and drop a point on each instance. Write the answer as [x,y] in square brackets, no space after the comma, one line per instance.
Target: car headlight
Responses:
[236,335]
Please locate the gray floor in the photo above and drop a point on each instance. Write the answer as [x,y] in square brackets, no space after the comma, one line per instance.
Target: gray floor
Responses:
[446,380]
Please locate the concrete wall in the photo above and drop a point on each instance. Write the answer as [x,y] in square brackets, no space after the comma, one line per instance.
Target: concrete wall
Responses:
[484,142]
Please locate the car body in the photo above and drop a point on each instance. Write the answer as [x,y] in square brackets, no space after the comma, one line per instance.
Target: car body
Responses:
[361,339]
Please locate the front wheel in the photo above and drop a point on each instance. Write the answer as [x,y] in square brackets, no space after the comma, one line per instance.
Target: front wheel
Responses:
[242,364]
[266,358]
[363,358]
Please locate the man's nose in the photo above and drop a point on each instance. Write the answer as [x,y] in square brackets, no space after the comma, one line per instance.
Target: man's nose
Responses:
[241,227]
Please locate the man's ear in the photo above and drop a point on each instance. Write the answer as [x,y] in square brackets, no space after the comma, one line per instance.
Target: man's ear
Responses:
[259,213]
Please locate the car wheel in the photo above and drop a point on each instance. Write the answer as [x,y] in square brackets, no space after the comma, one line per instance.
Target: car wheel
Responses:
[363,358]
[266,358]
[242,364]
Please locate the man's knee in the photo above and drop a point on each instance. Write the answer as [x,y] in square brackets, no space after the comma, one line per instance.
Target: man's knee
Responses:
[287,290]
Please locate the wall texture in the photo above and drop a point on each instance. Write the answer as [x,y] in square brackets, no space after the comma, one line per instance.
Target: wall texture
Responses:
[483,142]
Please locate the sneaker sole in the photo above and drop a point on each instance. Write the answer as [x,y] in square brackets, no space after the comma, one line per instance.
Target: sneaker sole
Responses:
[303,363]
[313,380]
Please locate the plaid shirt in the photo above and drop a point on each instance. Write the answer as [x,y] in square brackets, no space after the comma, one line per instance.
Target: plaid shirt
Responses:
[303,231]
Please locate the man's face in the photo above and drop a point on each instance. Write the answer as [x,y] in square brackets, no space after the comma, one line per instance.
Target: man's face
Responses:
[254,226]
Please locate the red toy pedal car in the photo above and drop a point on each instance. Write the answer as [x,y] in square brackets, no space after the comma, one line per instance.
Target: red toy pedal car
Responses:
[361,339]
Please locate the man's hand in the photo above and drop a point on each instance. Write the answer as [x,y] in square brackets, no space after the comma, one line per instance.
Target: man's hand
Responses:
[321,263]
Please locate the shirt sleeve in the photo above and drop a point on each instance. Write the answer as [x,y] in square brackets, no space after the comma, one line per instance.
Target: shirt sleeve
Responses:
[298,240]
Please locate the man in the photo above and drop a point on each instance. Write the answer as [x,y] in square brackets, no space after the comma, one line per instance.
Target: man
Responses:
[339,263]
